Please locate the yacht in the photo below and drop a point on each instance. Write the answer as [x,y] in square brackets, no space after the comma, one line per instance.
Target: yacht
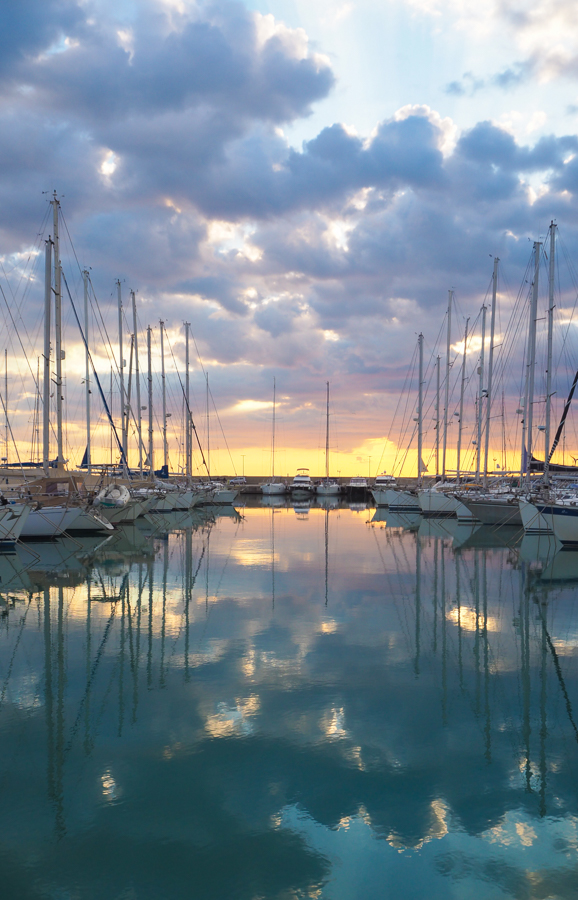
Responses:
[302,484]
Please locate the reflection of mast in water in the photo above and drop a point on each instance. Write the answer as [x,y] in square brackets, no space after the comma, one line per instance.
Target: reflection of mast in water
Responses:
[188,591]
[487,726]
[459,608]
[525,667]
[137,647]
[58,785]
[133,645]
[121,667]
[273,560]
[48,697]
[477,632]
[543,722]
[207,572]
[417,602]
[164,615]
[150,628]
[435,599]
[444,641]
[87,741]
[326,554]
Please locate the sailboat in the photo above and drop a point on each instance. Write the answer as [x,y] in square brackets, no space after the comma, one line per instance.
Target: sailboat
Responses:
[272,487]
[327,487]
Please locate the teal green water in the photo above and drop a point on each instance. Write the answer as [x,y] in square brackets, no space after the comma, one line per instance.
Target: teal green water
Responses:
[292,704]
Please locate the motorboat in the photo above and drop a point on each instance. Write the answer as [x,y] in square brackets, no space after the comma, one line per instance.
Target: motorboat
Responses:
[302,484]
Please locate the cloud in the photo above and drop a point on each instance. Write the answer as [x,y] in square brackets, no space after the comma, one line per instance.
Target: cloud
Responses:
[505,80]
[162,133]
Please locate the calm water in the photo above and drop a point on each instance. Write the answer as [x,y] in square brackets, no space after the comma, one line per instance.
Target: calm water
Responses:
[288,705]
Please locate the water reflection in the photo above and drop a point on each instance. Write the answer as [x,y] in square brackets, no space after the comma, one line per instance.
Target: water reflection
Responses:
[268,705]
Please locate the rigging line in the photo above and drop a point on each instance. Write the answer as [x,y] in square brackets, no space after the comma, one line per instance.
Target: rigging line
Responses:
[559,672]
[214,404]
[19,338]
[7,420]
[193,582]
[104,337]
[19,305]
[192,421]
[97,379]
[36,245]
[95,665]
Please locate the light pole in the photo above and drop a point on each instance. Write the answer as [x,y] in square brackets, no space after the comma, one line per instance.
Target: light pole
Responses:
[369,466]
[243,458]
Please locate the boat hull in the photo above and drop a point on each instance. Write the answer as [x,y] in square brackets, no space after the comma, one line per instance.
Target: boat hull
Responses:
[533,520]
[273,490]
[563,520]
[402,502]
[496,511]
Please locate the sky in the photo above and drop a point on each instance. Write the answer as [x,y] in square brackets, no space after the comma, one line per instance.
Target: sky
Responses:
[303,182]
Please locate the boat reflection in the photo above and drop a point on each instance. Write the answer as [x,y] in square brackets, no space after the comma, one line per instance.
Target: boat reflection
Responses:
[263,688]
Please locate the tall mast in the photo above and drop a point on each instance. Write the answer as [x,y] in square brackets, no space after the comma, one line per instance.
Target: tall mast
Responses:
[137,379]
[327,439]
[551,275]
[481,396]
[87,373]
[58,327]
[420,410]
[123,420]
[437,420]
[273,437]
[447,396]
[208,429]
[490,368]
[46,382]
[460,420]
[6,401]
[187,404]
[529,399]
[150,402]
[164,386]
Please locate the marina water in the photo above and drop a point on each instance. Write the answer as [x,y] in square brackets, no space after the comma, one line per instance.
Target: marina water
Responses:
[289,703]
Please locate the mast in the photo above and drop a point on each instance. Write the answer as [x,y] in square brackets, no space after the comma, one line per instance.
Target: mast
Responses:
[208,430]
[447,395]
[481,397]
[137,378]
[327,439]
[490,368]
[187,405]
[46,384]
[420,410]
[273,437]
[87,373]
[58,327]
[111,415]
[462,386]
[150,401]
[121,375]
[6,401]
[164,386]
[551,275]
[529,404]
[437,416]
